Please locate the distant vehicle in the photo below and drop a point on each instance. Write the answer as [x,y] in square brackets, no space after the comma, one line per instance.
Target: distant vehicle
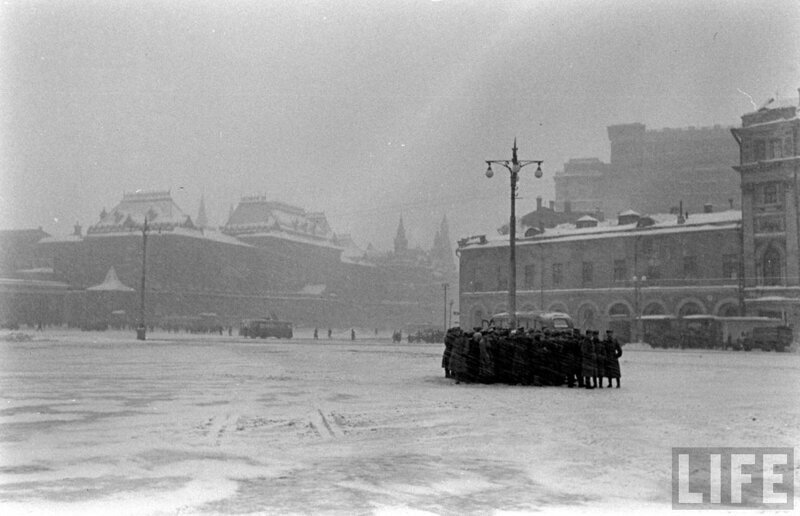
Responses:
[776,338]
[263,328]
[715,332]
[429,333]
[534,320]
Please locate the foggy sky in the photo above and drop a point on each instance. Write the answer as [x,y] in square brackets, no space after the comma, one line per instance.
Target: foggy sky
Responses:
[364,110]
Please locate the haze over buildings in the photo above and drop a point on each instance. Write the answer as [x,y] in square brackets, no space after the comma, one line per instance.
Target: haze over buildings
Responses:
[364,111]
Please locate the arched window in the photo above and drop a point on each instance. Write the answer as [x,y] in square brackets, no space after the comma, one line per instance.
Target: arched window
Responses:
[477,318]
[771,266]
[619,310]
[729,310]
[653,309]
[586,318]
[690,309]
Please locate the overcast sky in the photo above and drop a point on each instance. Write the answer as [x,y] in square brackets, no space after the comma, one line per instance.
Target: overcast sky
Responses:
[362,109]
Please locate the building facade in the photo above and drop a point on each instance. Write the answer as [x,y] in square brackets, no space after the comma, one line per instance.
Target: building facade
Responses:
[695,260]
[658,168]
[268,258]
[608,273]
[768,167]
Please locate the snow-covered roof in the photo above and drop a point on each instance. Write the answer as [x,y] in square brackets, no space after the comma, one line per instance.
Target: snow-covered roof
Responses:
[60,239]
[157,206]
[609,228]
[587,218]
[255,215]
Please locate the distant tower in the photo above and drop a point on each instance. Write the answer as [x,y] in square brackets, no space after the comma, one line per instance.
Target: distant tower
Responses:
[442,247]
[400,241]
[202,220]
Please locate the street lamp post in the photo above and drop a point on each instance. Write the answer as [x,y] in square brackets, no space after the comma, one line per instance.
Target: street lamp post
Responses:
[637,293]
[513,167]
[450,314]
[141,328]
[444,286]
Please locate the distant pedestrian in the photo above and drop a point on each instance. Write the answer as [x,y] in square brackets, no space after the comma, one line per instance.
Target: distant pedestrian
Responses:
[486,361]
[330,333]
[316,334]
[352,334]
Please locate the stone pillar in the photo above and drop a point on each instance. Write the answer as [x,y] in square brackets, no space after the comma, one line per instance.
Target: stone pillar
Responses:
[748,240]
[792,265]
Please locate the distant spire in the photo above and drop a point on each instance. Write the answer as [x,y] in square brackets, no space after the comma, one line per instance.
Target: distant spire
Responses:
[202,220]
[400,241]
[442,251]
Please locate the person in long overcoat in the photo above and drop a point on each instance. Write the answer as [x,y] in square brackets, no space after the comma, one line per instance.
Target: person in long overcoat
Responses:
[587,360]
[458,363]
[573,348]
[520,362]
[613,352]
[599,359]
[473,357]
[449,339]
[486,365]
[503,356]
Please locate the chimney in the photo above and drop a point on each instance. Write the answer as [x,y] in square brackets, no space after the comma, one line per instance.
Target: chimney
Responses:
[708,208]
[681,219]
[539,203]
[567,206]
[552,205]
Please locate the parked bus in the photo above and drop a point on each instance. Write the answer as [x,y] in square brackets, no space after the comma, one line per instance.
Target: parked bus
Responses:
[534,320]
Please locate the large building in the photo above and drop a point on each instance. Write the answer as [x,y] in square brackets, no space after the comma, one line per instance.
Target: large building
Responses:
[769,160]
[268,258]
[607,273]
[650,170]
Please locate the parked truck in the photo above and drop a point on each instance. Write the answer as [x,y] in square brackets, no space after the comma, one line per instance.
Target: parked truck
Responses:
[263,328]
[775,338]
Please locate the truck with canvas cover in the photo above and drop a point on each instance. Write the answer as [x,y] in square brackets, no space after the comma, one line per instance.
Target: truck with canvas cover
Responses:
[771,338]
[263,328]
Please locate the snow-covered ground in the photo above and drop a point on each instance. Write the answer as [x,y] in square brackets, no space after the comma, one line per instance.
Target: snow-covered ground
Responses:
[99,423]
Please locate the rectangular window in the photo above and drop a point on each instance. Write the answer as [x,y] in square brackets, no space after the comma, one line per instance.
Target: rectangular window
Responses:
[502,279]
[730,266]
[770,193]
[646,246]
[689,266]
[587,273]
[775,149]
[530,274]
[620,271]
[557,274]
[477,284]
[769,224]
[760,153]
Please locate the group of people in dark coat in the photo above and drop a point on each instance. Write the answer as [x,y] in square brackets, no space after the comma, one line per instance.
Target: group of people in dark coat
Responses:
[532,357]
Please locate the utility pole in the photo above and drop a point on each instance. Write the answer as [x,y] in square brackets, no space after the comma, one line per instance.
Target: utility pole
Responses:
[444,285]
[141,329]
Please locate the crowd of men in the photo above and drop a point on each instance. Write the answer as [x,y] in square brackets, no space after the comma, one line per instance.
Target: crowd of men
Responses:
[525,357]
